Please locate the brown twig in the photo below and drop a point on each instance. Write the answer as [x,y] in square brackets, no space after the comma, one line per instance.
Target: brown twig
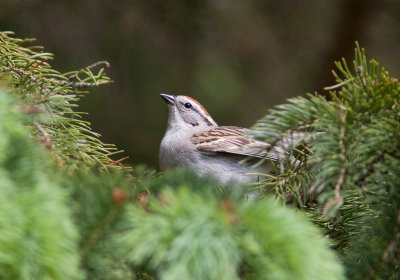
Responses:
[84,84]
[78,85]
[113,162]
[26,74]
[315,187]
[18,71]
[37,65]
[46,141]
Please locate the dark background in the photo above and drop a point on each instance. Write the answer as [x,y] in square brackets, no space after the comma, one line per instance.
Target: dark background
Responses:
[238,58]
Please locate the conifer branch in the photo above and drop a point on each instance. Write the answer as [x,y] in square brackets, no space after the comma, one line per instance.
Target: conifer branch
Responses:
[76,85]
[49,99]
[351,172]
[179,226]
[342,157]
[94,65]
[29,75]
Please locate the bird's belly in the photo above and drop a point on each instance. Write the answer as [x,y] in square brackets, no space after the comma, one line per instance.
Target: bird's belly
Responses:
[173,155]
[229,171]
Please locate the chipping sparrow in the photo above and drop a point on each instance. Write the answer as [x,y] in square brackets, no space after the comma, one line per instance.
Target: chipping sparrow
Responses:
[193,139]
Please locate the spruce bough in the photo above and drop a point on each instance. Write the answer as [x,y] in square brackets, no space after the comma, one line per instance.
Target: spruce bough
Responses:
[70,212]
[349,180]
[189,230]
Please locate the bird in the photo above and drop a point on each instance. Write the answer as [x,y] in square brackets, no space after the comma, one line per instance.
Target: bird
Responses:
[194,140]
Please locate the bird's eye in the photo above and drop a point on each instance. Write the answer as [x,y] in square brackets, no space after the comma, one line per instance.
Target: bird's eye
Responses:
[188,105]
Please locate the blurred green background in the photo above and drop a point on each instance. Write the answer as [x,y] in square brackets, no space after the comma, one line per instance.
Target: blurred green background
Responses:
[238,58]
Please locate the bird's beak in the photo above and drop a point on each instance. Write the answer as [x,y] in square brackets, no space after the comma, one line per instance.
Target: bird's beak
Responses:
[170,99]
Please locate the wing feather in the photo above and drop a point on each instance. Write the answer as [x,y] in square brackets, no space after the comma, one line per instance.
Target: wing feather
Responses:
[234,140]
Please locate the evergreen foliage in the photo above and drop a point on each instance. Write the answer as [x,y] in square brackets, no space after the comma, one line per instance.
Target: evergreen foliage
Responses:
[49,97]
[349,177]
[190,230]
[63,217]
[98,200]
[38,239]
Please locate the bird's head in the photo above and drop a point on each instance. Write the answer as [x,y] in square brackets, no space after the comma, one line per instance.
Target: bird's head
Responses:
[185,112]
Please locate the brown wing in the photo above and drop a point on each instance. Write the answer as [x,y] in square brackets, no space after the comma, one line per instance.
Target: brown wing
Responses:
[233,140]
